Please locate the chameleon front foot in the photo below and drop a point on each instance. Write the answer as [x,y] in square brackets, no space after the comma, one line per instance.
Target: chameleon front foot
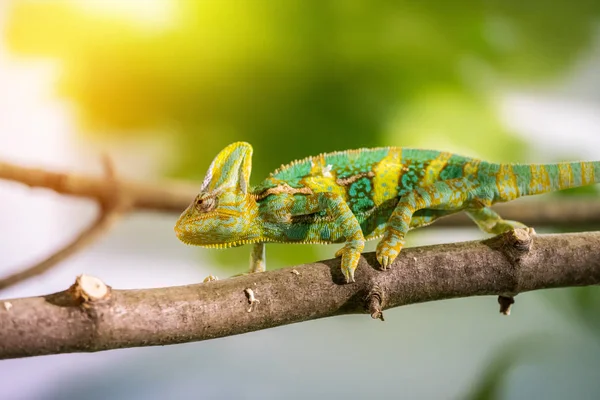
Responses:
[388,249]
[350,257]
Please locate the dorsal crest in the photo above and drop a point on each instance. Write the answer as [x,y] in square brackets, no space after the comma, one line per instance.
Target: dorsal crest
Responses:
[230,168]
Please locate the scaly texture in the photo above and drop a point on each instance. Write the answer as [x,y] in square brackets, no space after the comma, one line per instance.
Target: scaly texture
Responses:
[357,195]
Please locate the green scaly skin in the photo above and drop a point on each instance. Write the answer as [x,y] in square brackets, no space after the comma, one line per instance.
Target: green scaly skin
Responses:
[357,195]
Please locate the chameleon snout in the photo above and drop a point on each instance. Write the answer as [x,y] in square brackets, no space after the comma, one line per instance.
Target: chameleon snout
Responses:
[182,228]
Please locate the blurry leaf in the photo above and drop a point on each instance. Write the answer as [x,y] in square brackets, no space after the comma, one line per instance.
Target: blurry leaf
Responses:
[581,305]
[492,382]
[494,378]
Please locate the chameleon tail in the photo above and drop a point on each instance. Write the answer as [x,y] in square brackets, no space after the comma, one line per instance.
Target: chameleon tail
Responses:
[534,179]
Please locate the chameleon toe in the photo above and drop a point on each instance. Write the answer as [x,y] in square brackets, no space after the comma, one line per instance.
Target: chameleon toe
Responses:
[385,262]
[349,263]
[386,255]
[349,275]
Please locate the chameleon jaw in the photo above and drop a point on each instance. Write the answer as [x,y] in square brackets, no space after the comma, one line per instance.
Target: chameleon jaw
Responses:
[236,243]
[193,240]
[226,245]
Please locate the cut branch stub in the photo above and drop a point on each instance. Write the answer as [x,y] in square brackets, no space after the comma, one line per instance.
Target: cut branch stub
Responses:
[88,289]
[505,303]
[514,245]
[375,302]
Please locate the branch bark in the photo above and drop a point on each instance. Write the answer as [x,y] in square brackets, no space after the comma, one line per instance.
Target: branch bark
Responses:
[90,317]
[175,196]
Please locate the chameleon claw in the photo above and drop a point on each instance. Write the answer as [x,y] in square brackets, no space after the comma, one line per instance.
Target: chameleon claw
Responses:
[349,262]
[347,270]
[387,253]
[385,261]
[349,276]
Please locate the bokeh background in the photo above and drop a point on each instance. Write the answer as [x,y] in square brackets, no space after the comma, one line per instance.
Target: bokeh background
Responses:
[163,85]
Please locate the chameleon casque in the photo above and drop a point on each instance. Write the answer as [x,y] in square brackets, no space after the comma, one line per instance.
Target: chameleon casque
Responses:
[357,195]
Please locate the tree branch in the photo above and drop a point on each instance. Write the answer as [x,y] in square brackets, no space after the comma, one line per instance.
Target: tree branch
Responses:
[111,208]
[92,317]
[163,196]
[103,222]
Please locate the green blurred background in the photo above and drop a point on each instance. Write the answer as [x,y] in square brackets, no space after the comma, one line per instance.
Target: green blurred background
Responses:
[296,78]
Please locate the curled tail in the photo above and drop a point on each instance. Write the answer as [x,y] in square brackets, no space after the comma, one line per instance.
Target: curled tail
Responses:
[533,179]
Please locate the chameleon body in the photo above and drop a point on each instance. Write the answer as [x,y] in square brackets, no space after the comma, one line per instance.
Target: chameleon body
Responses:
[357,195]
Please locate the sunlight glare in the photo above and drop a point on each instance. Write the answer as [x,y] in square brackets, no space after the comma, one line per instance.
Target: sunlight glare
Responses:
[155,13]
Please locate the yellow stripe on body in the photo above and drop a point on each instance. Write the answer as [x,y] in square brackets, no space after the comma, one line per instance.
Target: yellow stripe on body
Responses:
[387,173]
[565,176]
[540,180]
[432,172]
[506,183]
[470,168]
[587,173]
[317,164]
[322,178]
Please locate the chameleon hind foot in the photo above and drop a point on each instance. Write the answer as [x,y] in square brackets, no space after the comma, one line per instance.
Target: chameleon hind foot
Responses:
[489,221]
[388,249]
[350,257]
[446,195]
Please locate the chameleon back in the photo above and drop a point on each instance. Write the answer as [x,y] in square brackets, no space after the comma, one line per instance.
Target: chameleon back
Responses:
[370,180]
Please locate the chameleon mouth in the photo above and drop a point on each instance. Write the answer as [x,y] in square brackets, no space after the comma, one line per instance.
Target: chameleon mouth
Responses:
[230,244]
[191,240]
[224,212]
[187,236]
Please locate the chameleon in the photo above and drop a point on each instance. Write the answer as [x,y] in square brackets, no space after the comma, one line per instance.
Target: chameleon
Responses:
[357,195]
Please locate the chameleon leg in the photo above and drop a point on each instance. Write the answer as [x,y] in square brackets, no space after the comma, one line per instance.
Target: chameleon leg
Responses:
[489,221]
[350,229]
[258,261]
[445,195]
[427,216]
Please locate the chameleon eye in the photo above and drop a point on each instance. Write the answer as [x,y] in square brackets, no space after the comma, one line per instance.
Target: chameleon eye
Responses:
[199,204]
[206,204]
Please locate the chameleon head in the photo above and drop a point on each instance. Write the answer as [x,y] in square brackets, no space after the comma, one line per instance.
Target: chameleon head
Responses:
[223,213]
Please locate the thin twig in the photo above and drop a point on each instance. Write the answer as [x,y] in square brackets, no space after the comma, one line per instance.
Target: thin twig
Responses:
[110,210]
[70,321]
[161,196]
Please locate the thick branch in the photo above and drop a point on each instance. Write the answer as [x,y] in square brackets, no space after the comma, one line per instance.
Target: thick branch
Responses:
[98,318]
[175,196]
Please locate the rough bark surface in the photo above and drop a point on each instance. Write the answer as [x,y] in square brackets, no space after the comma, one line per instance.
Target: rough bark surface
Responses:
[76,320]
